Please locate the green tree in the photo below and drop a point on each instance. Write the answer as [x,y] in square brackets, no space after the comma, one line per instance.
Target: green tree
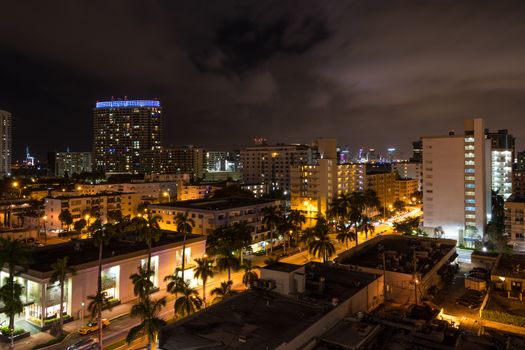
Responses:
[66,219]
[271,219]
[60,272]
[366,225]
[227,261]
[79,225]
[372,201]
[321,246]
[241,237]
[189,301]
[149,312]
[185,225]
[16,256]
[398,205]
[307,237]
[149,231]
[203,270]
[142,283]
[222,292]
[114,216]
[250,275]
[408,226]
[345,234]
[297,220]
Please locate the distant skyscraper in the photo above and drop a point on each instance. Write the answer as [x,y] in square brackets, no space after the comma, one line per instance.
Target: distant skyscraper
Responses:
[183,159]
[457,182]
[126,135]
[417,151]
[5,143]
[60,163]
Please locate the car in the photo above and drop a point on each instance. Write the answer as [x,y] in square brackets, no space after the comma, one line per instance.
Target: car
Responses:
[91,347]
[92,326]
[81,344]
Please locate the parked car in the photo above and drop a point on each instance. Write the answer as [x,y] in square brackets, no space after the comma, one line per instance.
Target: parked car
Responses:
[92,326]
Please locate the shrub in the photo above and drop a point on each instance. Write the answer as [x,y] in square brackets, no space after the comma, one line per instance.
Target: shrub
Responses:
[7,332]
[503,317]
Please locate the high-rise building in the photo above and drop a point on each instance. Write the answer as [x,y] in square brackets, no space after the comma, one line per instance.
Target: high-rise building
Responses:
[5,143]
[60,163]
[182,159]
[126,135]
[270,164]
[417,151]
[457,182]
[222,161]
[518,175]
[503,151]
[410,170]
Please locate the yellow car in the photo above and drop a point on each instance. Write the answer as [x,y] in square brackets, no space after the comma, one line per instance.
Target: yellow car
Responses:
[92,326]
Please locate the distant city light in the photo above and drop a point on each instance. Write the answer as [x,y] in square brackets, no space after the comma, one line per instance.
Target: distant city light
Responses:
[131,103]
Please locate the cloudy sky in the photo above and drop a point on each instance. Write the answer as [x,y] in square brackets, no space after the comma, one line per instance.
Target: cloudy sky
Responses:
[373,73]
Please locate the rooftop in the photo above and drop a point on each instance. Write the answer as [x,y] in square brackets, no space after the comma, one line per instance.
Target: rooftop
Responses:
[510,265]
[128,104]
[216,204]
[516,199]
[264,319]
[398,253]
[100,194]
[282,267]
[84,252]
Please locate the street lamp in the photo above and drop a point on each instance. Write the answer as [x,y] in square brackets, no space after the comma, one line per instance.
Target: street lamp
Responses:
[15,184]
[166,194]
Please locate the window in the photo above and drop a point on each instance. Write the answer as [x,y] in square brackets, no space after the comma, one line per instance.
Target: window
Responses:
[470,170]
[470,208]
[470,201]
[470,186]
[470,216]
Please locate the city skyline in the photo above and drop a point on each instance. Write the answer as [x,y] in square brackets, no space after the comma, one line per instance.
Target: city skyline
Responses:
[357,72]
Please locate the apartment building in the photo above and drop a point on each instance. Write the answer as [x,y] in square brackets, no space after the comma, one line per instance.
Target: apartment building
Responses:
[457,182]
[210,214]
[503,152]
[85,206]
[62,163]
[514,224]
[384,184]
[404,189]
[183,159]
[410,170]
[151,190]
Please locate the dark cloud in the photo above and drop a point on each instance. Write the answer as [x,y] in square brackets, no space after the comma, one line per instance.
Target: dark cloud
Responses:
[373,73]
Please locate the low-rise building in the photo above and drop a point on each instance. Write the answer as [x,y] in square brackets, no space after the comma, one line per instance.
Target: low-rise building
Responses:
[151,190]
[120,259]
[90,206]
[508,275]
[288,308]
[408,261]
[210,214]
[383,183]
[514,224]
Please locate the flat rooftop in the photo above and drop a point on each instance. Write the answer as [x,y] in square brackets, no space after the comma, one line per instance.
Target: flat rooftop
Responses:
[216,204]
[282,267]
[398,253]
[510,265]
[84,252]
[264,319]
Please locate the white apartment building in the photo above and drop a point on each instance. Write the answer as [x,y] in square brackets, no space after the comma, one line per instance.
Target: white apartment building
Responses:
[81,205]
[514,222]
[270,164]
[502,160]
[210,214]
[153,190]
[457,182]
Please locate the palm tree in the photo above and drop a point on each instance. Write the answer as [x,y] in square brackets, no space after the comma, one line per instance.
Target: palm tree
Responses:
[354,216]
[175,281]
[66,218]
[357,201]
[285,228]
[189,302]
[372,201]
[142,283]
[345,234]
[16,255]
[203,270]
[308,237]
[149,231]
[185,225]
[227,261]
[250,275]
[271,219]
[321,246]
[223,292]
[366,225]
[60,270]
[100,236]
[339,207]
[242,237]
[149,311]
[297,219]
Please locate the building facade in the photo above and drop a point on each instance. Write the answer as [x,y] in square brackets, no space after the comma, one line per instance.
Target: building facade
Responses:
[89,207]
[184,159]
[410,170]
[405,189]
[126,135]
[457,182]
[503,153]
[61,163]
[514,222]
[5,143]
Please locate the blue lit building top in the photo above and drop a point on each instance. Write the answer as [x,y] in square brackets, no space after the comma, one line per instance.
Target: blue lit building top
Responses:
[128,104]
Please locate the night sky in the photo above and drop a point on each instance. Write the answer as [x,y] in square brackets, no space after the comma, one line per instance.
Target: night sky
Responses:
[372,73]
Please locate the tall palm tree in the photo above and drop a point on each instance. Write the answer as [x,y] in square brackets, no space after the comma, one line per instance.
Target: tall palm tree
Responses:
[358,201]
[149,231]
[242,237]
[372,201]
[15,254]
[189,301]
[149,311]
[60,271]
[321,246]
[203,270]
[345,234]
[185,225]
[339,207]
[367,226]
[354,217]
[174,282]
[308,237]
[297,219]
[285,228]
[142,283]
[250,275]
[222,292]
[100,236]
[271,219]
